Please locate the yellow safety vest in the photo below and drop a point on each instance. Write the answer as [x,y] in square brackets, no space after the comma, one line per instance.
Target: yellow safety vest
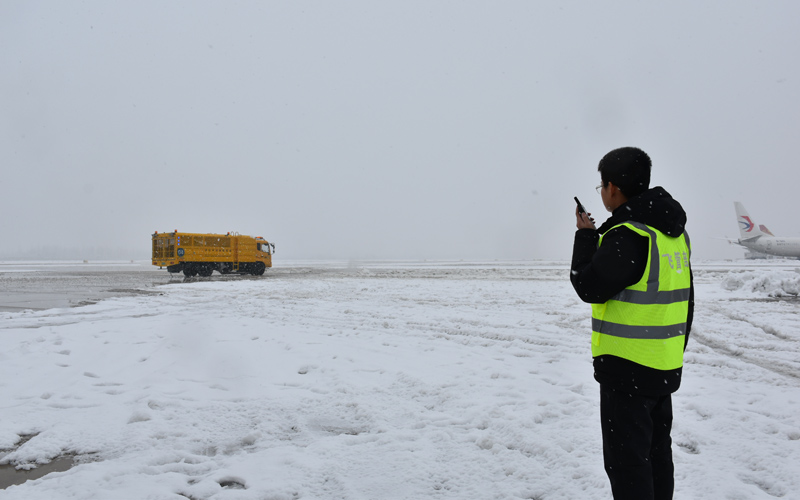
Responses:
[646,322]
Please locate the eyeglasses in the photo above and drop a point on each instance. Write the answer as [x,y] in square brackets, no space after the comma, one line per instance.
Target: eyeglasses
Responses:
[598,188]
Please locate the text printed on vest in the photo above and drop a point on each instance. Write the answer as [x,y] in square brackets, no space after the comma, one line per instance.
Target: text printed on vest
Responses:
[681,259]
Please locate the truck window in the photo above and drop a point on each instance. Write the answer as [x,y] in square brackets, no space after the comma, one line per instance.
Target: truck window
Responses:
[163,248]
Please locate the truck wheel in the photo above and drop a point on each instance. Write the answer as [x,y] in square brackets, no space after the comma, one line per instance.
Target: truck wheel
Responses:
[205,270]
[189,270]
[259,268]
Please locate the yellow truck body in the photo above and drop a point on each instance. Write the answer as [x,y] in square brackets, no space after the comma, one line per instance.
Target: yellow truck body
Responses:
[200,253]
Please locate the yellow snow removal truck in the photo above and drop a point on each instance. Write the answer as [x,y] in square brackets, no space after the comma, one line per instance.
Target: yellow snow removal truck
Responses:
[203,254]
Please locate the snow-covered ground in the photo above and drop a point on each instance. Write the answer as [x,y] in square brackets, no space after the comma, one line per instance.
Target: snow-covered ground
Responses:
[386,381]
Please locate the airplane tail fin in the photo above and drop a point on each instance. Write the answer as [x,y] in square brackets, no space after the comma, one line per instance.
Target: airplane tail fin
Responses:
[747,228]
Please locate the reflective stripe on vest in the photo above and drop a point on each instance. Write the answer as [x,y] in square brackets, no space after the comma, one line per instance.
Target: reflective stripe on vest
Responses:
[646,322]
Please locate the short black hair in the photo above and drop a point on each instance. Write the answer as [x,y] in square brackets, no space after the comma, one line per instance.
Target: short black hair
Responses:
[628,168]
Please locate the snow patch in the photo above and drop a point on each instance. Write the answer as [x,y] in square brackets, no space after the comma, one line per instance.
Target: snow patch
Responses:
[770,283]
[456,381]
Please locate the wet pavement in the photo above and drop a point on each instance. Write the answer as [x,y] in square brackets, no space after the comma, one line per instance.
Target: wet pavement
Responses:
[10,475]
[45,285]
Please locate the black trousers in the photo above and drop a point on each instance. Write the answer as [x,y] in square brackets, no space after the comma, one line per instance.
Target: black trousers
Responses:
[637,447]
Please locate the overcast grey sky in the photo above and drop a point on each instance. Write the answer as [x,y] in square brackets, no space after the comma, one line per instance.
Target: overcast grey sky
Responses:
[364,129]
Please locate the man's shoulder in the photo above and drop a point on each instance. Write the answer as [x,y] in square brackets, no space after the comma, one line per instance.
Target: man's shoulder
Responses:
[621,229]
[624,240]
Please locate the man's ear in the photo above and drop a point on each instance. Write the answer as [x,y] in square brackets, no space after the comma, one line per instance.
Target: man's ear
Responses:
[616,192]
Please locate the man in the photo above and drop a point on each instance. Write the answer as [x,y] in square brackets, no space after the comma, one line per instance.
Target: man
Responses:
[635,272]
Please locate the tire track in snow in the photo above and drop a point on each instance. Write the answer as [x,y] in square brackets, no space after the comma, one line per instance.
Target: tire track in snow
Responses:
[731,348]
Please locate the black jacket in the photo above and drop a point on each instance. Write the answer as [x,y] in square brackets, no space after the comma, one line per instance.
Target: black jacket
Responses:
[597,274]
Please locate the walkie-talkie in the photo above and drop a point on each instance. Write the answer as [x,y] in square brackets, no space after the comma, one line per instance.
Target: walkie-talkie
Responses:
[581,210]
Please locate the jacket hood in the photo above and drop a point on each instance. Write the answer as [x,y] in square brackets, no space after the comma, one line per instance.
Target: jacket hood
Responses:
[655,208]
